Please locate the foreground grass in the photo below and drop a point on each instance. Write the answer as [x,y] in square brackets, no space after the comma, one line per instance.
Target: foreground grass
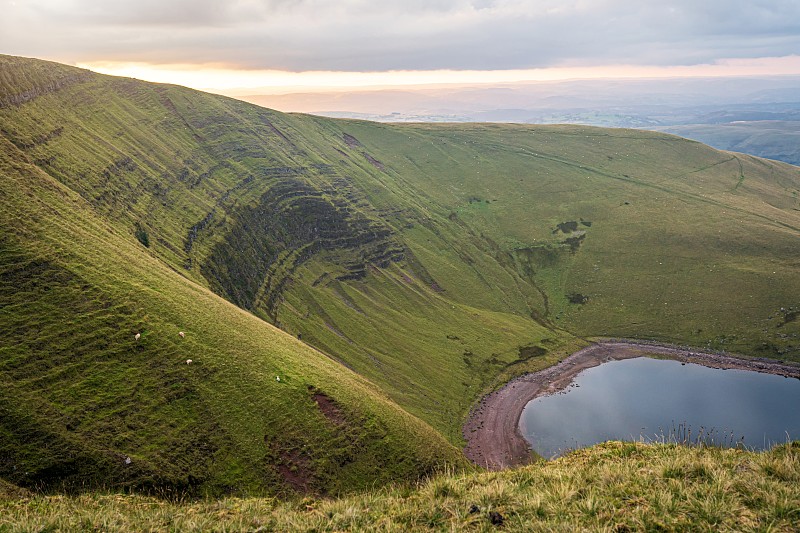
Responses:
[613,487]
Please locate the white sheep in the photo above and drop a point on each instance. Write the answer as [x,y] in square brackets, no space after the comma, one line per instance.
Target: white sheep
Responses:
[277,378]
[182,334]
[188,361]
[137,336]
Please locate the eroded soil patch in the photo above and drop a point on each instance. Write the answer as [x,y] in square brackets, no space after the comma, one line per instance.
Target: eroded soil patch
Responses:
[295,471]
[328,407]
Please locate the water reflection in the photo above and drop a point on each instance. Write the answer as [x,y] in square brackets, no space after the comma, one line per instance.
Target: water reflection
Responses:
[654,399]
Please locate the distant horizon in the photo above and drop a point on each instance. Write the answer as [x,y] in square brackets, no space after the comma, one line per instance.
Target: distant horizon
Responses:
[291,46]
[239,82]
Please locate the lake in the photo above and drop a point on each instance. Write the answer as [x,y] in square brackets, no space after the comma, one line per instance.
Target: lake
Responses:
[656,400]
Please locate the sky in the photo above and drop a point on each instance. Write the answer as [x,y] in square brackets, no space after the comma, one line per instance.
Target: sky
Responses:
[283,45]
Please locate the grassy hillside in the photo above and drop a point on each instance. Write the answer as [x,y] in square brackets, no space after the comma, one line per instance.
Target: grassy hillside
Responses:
[434,261]
[627,233]
[610,487]
[84,404]
[288,217]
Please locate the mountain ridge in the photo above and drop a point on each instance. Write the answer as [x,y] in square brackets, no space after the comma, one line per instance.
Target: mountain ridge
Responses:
[434,261]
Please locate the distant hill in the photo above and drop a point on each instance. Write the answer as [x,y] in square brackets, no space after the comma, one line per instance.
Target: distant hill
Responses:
[773,139]
[754,115]
[411,268]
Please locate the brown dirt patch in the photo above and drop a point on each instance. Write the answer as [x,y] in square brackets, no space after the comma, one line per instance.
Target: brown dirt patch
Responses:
[295,471]
[329,408]
[374,162]
[350,141]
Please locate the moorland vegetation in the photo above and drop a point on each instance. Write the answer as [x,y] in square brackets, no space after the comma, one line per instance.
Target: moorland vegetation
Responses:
[347,289]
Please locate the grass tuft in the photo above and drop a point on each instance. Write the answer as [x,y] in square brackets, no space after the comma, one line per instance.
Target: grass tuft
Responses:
[572,493]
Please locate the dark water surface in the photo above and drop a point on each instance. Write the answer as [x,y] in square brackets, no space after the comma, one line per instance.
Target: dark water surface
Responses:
[657,400]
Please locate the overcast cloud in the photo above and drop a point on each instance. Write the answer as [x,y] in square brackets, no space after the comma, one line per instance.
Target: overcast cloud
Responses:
[367,35]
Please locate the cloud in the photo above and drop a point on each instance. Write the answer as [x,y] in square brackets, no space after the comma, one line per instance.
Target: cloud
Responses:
[365,35]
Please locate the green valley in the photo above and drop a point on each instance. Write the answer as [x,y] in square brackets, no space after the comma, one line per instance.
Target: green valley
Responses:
[347,289]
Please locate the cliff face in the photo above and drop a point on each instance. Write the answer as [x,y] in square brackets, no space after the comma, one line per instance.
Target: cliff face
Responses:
[290,224]
[23,80]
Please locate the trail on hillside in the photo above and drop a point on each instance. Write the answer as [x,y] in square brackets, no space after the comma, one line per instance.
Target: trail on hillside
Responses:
[494,440]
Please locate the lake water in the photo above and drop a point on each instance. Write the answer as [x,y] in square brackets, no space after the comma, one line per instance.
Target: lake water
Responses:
[657,400]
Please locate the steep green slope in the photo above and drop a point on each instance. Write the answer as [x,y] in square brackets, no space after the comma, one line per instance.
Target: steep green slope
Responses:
[84,404]
[609,487]
[289,217]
